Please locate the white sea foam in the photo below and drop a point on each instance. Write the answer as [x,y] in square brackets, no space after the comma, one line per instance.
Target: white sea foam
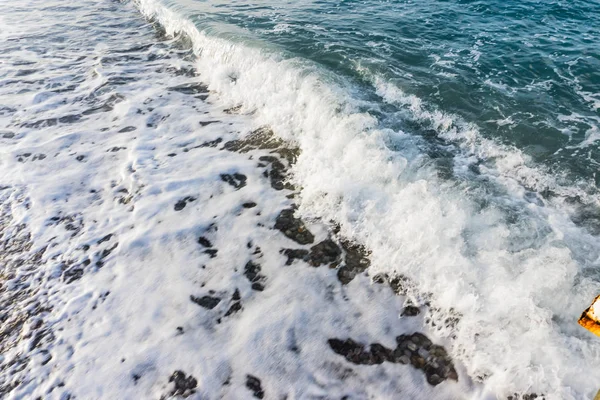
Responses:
[517,286]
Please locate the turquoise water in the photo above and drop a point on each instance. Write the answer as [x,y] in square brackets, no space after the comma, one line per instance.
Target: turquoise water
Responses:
[527,73]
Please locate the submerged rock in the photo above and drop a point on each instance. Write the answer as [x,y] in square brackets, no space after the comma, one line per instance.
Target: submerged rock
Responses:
[236,304]
[207,302]
[415,349]
[325,252]
[531,396]
[264,139]
[184,385]
[252,273]
[204,242]
[410,311]
[254,384]
[277,173]
[180,205]
[294,254]
[72,274]
[236,179]
[293,227]
[356,261]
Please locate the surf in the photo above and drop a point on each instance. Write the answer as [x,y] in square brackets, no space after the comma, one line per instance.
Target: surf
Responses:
[486,250]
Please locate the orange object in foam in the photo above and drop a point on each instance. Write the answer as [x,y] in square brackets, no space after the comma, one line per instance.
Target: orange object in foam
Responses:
[589,318]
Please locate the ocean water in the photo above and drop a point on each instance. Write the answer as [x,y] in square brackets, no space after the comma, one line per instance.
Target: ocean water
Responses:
[458,141]
[523,74]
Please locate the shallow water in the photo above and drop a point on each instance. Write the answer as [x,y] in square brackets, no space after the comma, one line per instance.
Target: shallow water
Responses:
[458,141]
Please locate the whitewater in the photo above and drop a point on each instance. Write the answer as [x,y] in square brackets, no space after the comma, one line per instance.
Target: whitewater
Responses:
[190,211]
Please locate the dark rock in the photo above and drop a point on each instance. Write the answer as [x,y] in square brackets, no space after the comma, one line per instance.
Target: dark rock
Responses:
[402,339]
[80,157]
[434,379]
[345,276]
[421,340]
[252,272]
[105,238]
[417,361]
[236,304]
[264,139]
[277,173]
[295,254]
[180,205]
[37,338]
[348,348]
[254,384]
[411,349]
[205,123]
[325,252]
[106,252]
[204,241]
[127,129]
[211,252]
[527,396]
[410,311]
[72,274]
[356,261]
[184,385]
[210,143]
[235,307]
[236,180]
[379,353]
[400,284]
[249,204]
[293,228]
[233,110]
[207,302]
[438,351]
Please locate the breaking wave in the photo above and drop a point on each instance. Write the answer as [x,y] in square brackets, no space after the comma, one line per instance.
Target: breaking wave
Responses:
[491,243]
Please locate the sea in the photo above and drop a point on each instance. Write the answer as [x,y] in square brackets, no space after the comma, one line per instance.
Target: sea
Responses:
[185,184]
